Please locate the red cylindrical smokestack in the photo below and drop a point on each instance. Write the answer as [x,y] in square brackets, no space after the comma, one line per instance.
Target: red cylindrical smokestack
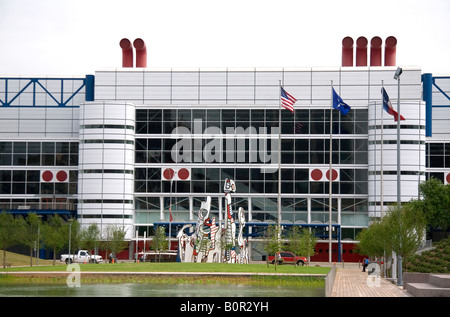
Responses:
[390,49]
[347,51]
[361,51]
[375,51]
[141,53]
[127,53]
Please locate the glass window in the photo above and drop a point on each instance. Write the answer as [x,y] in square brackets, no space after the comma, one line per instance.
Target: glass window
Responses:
[5,147]
[18,188]
[34,147]
[242,116]
[48,147]
[257,115]
[20,147]
[62,147]
[19,159]
[5,159]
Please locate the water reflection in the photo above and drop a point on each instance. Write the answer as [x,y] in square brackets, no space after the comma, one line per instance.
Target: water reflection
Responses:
[155,290]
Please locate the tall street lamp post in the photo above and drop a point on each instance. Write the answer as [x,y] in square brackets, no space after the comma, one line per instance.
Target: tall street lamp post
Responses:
[398,72]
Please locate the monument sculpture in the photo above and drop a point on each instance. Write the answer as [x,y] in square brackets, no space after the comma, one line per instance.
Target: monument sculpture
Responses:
[207,241]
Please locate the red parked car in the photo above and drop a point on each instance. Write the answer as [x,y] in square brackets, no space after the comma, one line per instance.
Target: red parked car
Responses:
[286,257]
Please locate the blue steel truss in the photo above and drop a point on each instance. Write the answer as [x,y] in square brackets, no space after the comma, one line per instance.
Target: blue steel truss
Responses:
[440,89]
[60,97]
[429,82]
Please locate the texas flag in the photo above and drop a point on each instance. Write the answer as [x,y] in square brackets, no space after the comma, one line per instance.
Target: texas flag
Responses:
[387,106]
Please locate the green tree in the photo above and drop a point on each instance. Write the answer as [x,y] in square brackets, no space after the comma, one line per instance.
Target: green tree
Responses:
[8,232]
[301,241]
[405,229]
[29,230]
[373,241]
[402,230]
[435,203]
[54,234]
[272,242]
[89,237]
[114,239]
[160,241]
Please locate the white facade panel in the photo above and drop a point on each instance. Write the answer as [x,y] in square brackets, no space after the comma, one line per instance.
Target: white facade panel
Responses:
[246,78]
[105,92]
[185,78]
[130,78]
[213,78]
[358,76]
[213,93]
[302,78]
[185,92]
[322,95]
[105,78]
[324,77]
[385,74]
[9,113]
[9,127]
[356,94]
[130,92]
[157,93]
[269,78]
[61,113]
[114,188]
[33,126]
[158,78]
[239,92]
[32,113]
[59,126]
[268,93]
[440,99]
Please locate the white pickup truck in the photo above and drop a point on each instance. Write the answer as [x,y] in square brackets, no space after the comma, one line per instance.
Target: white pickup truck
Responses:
[82,256]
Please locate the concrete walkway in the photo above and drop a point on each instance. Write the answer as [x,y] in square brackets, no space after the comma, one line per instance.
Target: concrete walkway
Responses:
[350,281]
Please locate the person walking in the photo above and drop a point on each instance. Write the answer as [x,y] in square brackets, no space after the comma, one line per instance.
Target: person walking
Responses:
[365,264]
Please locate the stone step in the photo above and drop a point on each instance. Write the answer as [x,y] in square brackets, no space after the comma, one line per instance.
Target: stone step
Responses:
[427,290]
[440,280]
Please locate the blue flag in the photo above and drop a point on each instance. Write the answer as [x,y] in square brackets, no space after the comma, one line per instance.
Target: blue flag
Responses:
[339,104]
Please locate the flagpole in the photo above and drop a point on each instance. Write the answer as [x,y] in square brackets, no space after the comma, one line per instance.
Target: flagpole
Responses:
[170,211]
[330,251]
[381,173]
[279,164]
[381,161]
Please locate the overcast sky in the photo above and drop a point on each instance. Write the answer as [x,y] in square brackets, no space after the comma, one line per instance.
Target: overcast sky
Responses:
[77,37]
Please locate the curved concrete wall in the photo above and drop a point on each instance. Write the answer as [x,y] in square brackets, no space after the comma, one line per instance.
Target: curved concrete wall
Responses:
[106,165]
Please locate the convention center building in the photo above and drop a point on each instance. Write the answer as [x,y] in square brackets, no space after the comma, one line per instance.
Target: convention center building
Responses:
[138,146]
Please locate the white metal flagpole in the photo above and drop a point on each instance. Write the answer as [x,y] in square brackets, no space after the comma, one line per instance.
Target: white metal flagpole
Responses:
[279,163]
[330,250]
[381,158]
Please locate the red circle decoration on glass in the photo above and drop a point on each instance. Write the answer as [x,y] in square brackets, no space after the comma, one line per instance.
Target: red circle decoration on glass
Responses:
[448,178]
[334,173]
[316,174]
[183,174]
[61,176]
[47,176]
[168,173]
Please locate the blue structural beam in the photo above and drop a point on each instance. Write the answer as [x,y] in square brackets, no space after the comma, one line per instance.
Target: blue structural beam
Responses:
[427,84]
[61,212]
[90,88]
[37,85]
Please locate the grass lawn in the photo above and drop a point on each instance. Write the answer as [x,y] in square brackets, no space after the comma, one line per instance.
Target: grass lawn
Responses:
[46,266]
[179,267]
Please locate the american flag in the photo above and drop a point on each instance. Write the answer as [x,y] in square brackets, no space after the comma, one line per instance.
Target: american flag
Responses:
[287,101]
